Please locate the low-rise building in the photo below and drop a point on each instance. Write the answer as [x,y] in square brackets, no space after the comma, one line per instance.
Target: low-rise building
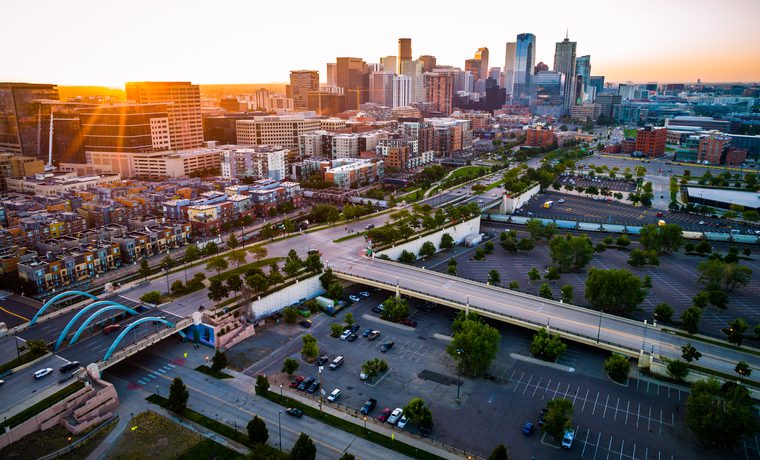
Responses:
[540,137]
[157,165]
[262,161]
[55,183]
[348,172]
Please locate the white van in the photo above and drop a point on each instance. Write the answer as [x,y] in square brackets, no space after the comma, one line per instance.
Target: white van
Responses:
[337,362]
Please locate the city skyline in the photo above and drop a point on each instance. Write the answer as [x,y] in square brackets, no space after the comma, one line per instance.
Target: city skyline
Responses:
[188,44]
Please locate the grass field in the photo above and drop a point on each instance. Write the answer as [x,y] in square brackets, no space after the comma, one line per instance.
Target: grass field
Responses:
[150,436]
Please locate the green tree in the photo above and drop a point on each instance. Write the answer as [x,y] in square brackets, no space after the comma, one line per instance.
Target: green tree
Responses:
[257,283]
[427,249]
[533,274]
[192,253]
[237,256]
[347,455]
[334,291]
[289,366]
[313,262]
[617,367]
[167,263]
[303,449]
[545,291]
[153,297]
[690,319]
[515,286]
[374,367]
[615,291]
[447,241]
[418,413]
[494,278]
[499,453]
[177,287]
[701,299]
[546,346]
[525,244]
[144,270]
[217,290]
[451,270]
[743,369]
[718,274]
[474,344]
[649,237]
[292,267]
[703,247]
[719,415]
[663,312]
[623,241]
[567,293]
[232,241]
[219,361]
[736,331]
[677,369]
[407,257]
[488,247]
[558,418]
[535,228]
[218,264]
[690,353]
[178,396]
[336,329]
[234,283]
[257,431]
[571,253]
[309,348]
[552,273]
[395,309]
[37,347]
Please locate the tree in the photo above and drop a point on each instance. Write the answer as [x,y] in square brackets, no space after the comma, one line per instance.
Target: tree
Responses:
[718,274]
[427,249]
[177,287]
[567,293]
[237,256]
[347,456]
[623,241]
[336,329]
[536,228]
[178,396]
[719,415]
[690,319]
[474,344]
[313,262]
[192,253]
[525,244]
[303,449]
[558,418]
[374,367]
[533,274]
[743,369]
[210,248]
[153,297]
[418,413]
[447,241]
[494,278]
[546,346]
[257,282]
[571,253]
[617,367]
[615,291]
[219,361]
[218,263]
[407,257]
[217,290]
[334,291]
[309,348]
[703,247]
[232,241]
[545,291]
[257,431]
[292,266]
[690,353]
[234,283]
[663,312]
[395,309]
[499,453]
[37,347]
[144,270]
[700,299]
[736,331]
[678,369]
[289,366]
[552,273]
[262,385]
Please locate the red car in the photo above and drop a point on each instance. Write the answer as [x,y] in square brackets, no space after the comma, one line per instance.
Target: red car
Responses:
[384,415]
[409,322]
[111,328]
[297,381]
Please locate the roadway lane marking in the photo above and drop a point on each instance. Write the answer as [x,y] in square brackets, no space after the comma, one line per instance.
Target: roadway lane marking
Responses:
[14,314]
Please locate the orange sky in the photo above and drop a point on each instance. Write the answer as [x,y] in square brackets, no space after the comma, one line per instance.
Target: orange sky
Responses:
[103,43]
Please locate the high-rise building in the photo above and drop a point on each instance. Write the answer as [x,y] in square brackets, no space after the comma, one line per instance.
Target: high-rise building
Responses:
[332,74]
[509,67]
[353,77]
[495,74]
[275,130]
[540,67]
[402,90]
[583,70]
[261,162]
[389,64]
[381,88]
[125,128]
[183,105]
[473,66]
[482,56]
[404,53]
[22,117]
[326,102]
[609,103]
[301,82]
[440,91]
[546,93]
[597,82]
[428,63]
[413,69]
[525,61]
[564,62]
[651,141]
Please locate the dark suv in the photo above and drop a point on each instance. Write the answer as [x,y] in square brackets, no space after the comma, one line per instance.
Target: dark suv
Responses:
[368,406]
[69,367]
[303,386]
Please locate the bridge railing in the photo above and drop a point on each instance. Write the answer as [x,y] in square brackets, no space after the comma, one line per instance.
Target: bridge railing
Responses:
[492,312]
[133,348]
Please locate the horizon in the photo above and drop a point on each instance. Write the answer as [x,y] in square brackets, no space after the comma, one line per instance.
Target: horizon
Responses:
[624,45]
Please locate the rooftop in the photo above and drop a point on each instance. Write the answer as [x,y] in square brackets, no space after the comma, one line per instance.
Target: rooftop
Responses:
[746,199]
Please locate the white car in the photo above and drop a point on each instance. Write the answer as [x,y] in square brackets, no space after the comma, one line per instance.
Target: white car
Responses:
[42,373]
[395,415]
[364,294]
[334,395]
[354,298]
[561,200]
[345,334]
[701,222]
[363,376]
[402,422]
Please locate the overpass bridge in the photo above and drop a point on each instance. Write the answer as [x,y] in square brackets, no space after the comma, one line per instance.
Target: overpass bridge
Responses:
[613,333]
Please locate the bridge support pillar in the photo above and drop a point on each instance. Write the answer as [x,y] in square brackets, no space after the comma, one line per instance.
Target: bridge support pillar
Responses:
[645,360]
[398,289]
[467,306]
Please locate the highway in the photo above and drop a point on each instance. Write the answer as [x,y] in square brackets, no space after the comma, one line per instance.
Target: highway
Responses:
[504,303]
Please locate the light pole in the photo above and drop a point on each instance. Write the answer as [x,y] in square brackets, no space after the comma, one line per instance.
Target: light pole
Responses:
[599,331]
[459,370]
[279,426]
[280,389]
[643,341]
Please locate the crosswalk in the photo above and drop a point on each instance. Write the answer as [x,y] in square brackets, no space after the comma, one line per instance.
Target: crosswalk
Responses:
[145,380]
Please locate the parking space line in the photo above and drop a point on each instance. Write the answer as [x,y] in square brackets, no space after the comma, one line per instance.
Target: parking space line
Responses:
[627,407]
[638,416]
[660,422]
[649,419]
[609,448]
[585,442]
[622,443]
[518,382]
[547,388]
[513,374]
[596,447]
[646,453]
[605,406]
[595,402]
[556,390]
[527,384]
[585,399]
[614,419]
[536,387]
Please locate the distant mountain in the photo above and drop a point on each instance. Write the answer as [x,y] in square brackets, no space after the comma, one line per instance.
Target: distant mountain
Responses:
[221,90]
[85,92]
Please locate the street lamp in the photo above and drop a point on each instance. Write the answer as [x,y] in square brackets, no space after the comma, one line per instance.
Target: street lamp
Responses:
[280,389]
[459,369]
[279,426]
[599,331]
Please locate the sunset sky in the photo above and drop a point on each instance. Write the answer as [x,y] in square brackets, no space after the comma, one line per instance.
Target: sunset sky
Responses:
[78,42]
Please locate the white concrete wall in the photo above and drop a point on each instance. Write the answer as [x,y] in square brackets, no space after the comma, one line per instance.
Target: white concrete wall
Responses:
[458,232]
[308,288]
[509,204]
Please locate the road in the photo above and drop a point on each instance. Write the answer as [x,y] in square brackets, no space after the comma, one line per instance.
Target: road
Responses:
[611,329]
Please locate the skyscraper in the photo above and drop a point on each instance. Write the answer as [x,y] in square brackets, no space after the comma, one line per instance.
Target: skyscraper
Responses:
[495,73]
[389,63]
[20,116]
[183,105]
[440,91]
[473,65]
[583,70]
[597,82]
[428,63]
[564,62]
[353,76]
[413,69]
[509,67]
[525,60]
[301,82]
[381,88]
[136,128]
[332,74]
[482,56]
[402,90]
[404,52]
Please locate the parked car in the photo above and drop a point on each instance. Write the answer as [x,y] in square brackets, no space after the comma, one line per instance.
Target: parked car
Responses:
[111,328]
[354,327]
[426,430]
[395,415]
[352,337]
[409,322]
[305,323]
[378,309]
[295,412]
[322,359]
[69,366]
[368,406]
[373,335]
[362,375]
[567,440]
[313,387]
[384,415]
[337,362]
[402,422]
[42,372]
[296,381]
[345,334]
[367,332]
[561,200]
[386,346]
[364,294]
[354,298]
[528,428]
[334,395]
[369,226]
[305,384]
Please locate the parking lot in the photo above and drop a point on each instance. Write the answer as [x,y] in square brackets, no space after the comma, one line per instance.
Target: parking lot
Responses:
[598,182]
[641,420]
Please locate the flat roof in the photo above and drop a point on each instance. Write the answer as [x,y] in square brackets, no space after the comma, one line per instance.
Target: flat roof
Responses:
[746,199]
